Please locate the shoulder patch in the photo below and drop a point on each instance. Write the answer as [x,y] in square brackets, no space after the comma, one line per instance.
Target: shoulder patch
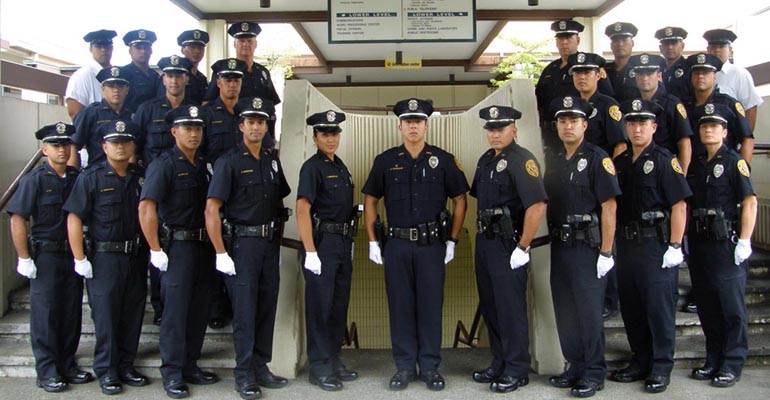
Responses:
[739,108]
[531,167]
[615,113]
[602,73]
[743,168]
[457,163]
[676,166]
[608,166]
[682,111]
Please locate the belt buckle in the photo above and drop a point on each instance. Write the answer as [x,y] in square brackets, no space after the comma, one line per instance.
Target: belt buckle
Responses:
[413,234]
[345,229]
[127,246]
[265,228]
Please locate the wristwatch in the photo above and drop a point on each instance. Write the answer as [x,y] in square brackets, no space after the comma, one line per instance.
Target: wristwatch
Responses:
[524,249]
[675,245]
[454,240]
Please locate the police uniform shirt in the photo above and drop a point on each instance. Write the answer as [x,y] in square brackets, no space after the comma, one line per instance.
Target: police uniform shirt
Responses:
[581,184]
[154,133]
[107,202]
[251,189]
[179,188]
[738,127]
[677,79]
[143,87]
[40,196]
[257,83]
[196,88]
[328,186]
[510,179]
[654,182]
[556,81]
[221,133]
[88,121]
[415,190]
[673,124]
[623,82]
[722,182]
[604,124]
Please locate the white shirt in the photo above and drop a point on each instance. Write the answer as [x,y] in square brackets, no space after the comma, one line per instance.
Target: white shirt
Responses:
[83,86]
[738,83]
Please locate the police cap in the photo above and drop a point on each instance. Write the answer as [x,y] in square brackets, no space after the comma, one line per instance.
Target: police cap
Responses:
[720,36]
[193,37]
[704,61]
[185,115]
[244,29]
[712,112]
[175,65]
[621,30]
[112,76]
[118,130]
[640,109]
[670,33]
[585,61]
[58,133]
[229,68]
[570,106]
[566,27]
[647,63]
[100,37]
[499,116]
[327,121]
[413,109]
[255,107]
[139,36]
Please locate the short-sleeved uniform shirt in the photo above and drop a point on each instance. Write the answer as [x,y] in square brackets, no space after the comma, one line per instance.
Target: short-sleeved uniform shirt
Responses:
[677,80]
[88,121]
[250,189]
[258,83]
[154,133]
[415,190]
[737,82]
[722,182]
[556,81]
[40,196]
[143,86]
[328,186]
[623,82]
[179,188]
[221,133]
[196,89]
[738,127]
[510,179]
[604,124]
[654,182]
[108,203]
[83,86]
[581,184]
[673,124]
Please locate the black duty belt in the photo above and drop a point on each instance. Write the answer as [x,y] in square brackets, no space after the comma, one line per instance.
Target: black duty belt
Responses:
[127,247]
[261,231]
[566,235]
[51,246]
[413,234]
[195,235]
[339,228]
[634,231]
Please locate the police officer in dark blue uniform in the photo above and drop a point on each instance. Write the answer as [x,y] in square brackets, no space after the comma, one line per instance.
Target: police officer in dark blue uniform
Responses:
[193,44]
[582,187]
[172,203]
[144,80]
[619,73]
[415,179]
[723,212]
[115,86]
[56,291]
[511,206]
[106,198]
[249,183]
[651,221]
[256,78]
[327,224]
[221,129]
[676,74]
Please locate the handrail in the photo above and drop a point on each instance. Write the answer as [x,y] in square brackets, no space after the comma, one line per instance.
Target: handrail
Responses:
[11,190]
[761,147]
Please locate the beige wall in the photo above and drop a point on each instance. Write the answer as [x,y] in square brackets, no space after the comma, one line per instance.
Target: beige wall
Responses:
[442,96]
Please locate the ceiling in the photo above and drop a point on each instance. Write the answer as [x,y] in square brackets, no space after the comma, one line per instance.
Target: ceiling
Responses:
[363,63]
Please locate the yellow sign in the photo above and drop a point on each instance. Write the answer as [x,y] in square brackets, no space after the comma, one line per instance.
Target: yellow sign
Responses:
[405,64]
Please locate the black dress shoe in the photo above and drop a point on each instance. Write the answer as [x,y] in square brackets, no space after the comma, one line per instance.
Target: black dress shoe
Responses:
[110,385]
[271,381]
[249,391]
[176,389]
[433,380]
[562,381]
[704,373]
[52,385]
[344,374]
[505,384]
[134,378]
[217,323]
[401,379]
[486,376]
[724,379]
[156,319]
[78,376]
[656,384]
[330,383]
[584,388]
[627,374]
[201,377]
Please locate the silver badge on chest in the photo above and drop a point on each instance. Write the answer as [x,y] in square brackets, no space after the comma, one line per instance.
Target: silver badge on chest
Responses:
[648,166]
[275,166]
[593,113]
[433,161]
[501,165]
[582,164]
[678,73]
[719,169]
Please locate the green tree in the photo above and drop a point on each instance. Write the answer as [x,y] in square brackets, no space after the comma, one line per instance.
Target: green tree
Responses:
[524,63]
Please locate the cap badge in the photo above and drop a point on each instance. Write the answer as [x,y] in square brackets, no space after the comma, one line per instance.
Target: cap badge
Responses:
[61,128]
[567,102]
[581,58]
[636,105]
[245,26]
[709,109]
[648,166]
[618,27]
[582,164]
[257,103]
[644,58]
[562,25]
[669,32]
[678,73]
[196,34]
[494,112]
[331,116]
[701,58]
[232,63]
[174,60]
[115,72]
[433,162]
[719,169]
[501,165]
[193,111]
[142,34]
[120,126]
[275,166]
[413,105]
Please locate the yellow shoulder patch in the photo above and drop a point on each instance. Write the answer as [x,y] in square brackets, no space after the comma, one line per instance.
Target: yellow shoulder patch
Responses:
[739,108]
[743,168]
[615,113]
[682,111]
[531,167]
[602,73]
[676,166]
[460,167]
[609,166]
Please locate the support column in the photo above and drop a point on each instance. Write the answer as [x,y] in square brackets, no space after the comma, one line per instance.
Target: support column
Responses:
[217,47]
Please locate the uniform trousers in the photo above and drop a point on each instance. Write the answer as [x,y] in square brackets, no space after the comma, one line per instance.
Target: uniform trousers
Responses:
[155,297]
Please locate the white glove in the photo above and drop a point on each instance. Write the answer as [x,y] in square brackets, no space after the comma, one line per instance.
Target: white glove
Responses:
[375,254]
[742,251]
[83,268]
[312,262]
[450,252]
[603,265]
[26,267]
[672,258]
[519,258]
[159,259]
[225,264]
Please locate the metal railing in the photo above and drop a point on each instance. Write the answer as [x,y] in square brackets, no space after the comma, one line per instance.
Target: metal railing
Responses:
[11,189]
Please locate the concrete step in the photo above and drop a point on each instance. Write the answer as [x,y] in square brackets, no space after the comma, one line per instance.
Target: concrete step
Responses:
[20,301]
[757,288]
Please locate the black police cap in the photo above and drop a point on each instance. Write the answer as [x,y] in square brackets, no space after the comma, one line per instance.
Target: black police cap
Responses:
[712,112]
[229,68]
[570,106]
[621,29]
[720,36]
[185,115]
[118,130]
[704,61]
[244,29]
[647,62]
[567,27]
[175,64]
[499,116]
[139,36]
[640,109]
[56,133]
[255,107]
[670,33]
[327,121]
[102,36]
[113,75]
[195,36]
[413,109]
[583,61]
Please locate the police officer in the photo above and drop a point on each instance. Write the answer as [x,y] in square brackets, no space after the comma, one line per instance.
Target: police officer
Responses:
[221,129]
[581,187]
[703,69]
[673,131]
[256,78]
[723,213]
[113,106]
[106,197]
[172,202]
[651,220]
[327,225]
[676,74]
[415,179]
[82,87]
[621,36]
[144,80]
[511,205]
[56,291]
[249,183]
[193,44]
